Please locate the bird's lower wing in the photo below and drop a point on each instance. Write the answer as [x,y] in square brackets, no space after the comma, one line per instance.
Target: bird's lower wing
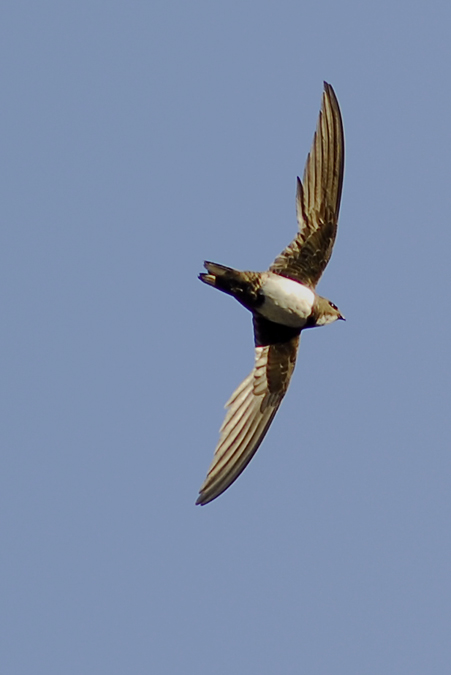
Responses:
[250,411]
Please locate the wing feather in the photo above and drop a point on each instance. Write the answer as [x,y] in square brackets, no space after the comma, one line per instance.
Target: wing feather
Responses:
[250,411]
[317,199]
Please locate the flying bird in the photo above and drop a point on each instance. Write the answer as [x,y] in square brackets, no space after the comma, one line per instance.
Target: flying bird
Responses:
[283,302]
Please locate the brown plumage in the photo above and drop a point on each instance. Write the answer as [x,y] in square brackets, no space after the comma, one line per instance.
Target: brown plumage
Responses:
[252,407]
[317,199]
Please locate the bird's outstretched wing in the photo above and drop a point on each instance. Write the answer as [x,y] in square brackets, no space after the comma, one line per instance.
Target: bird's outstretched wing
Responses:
[250,411]
[317,199]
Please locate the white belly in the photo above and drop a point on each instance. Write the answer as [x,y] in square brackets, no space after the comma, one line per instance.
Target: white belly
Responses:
[286,301]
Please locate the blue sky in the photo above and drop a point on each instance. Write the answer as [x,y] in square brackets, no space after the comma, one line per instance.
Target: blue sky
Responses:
[139,139]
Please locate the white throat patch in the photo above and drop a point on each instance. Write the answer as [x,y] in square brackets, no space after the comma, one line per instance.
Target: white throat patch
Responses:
[324,319]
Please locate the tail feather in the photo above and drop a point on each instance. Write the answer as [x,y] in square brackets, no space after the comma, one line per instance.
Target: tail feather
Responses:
[220,276]
[241,285]
[207,279]
[219,270]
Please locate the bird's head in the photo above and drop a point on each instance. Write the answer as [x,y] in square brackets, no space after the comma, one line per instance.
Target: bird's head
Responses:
[326,312]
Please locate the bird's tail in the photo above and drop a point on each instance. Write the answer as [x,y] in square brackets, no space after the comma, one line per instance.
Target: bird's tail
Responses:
[220,276]
[241,285]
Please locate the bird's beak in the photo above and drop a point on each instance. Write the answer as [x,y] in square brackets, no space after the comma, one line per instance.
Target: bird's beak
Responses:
[342,317]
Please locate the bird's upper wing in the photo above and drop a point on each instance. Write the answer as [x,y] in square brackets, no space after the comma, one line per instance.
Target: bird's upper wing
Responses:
[250,411]
[317,199]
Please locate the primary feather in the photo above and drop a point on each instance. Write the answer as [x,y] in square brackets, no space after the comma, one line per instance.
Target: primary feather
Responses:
[250,411]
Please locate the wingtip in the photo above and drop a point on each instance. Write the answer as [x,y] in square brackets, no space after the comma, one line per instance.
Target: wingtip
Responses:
[329,92]
[202,500]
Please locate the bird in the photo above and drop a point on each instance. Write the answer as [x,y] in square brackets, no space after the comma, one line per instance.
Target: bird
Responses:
[283,302]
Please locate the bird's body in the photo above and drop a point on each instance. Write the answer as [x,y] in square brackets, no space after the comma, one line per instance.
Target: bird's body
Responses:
[283,302]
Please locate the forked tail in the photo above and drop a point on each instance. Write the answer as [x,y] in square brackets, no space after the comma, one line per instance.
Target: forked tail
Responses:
[243,286]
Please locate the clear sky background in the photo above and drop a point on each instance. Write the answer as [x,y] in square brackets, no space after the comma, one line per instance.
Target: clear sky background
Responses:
[139,138]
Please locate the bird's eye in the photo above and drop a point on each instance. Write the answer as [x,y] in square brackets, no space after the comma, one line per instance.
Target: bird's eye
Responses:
[334,306]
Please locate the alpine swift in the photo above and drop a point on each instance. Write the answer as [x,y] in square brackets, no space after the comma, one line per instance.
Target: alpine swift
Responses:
[283,302]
